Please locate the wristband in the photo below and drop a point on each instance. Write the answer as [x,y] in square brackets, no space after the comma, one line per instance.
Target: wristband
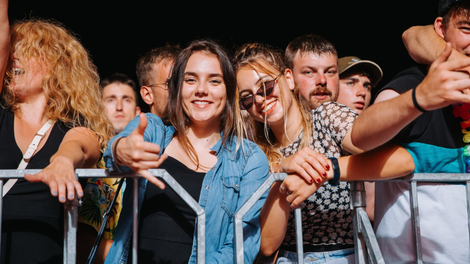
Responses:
[116,159]
[415,103]
[336,171]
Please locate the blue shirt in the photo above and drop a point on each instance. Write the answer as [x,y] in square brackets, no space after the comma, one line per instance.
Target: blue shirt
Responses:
[226,187]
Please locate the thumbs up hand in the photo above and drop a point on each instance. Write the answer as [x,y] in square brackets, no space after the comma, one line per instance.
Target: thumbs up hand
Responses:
[139,155]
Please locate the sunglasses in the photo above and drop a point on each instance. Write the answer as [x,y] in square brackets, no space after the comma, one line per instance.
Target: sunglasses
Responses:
[246,102]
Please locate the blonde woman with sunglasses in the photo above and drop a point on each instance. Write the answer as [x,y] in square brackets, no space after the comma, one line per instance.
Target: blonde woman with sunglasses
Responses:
[298,142]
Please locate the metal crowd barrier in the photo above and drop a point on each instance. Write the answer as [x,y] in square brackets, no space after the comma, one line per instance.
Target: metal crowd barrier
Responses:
[71,209]
[366,247]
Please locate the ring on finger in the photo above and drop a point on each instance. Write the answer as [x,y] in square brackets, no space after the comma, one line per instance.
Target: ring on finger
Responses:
[306,158]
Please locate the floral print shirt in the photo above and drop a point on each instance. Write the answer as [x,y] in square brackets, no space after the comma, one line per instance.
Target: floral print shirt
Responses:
[327,214]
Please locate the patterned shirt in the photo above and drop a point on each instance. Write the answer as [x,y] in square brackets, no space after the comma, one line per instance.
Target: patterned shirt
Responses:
[327,214]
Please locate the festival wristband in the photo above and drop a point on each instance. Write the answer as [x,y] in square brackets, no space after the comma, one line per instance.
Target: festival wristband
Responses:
[415,102]
[336,171]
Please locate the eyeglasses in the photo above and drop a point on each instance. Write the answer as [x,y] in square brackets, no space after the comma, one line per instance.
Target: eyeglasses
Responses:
[165,85]
[246,102]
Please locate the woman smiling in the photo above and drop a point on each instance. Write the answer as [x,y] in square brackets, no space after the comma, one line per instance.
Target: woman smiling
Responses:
[198,143]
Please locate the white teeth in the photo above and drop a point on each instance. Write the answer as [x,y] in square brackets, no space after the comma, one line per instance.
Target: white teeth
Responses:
[17,71]
[268,107]
[201,102]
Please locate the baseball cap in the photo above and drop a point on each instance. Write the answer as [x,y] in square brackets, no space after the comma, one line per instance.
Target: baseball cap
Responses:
[346,63]
[446,5]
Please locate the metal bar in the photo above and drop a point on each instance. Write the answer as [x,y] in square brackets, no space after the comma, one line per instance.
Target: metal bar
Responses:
[369,237]
[358,201]
[416,225]
[299,236]
[238,217]
[1,214]
[467,185]
[70,231]
[135,219]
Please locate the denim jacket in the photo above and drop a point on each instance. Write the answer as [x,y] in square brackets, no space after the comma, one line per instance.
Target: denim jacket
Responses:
[225,189]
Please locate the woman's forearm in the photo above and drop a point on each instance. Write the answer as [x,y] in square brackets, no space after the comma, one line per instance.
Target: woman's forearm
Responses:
[274,218]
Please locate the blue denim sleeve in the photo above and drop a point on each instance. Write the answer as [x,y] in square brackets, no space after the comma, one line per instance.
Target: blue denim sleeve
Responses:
[255,172]
[156,132]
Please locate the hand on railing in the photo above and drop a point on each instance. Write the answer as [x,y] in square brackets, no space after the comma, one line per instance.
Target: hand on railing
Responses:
[307,163]
[133,151]
[61,178]
[297,189]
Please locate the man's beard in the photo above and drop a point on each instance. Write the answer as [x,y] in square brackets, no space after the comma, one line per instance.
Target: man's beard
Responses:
[323,91]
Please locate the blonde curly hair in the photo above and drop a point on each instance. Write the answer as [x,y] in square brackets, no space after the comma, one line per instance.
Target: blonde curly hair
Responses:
[71,81]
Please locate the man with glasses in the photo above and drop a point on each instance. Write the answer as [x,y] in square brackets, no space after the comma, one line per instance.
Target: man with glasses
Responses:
[314,64]
[153,71]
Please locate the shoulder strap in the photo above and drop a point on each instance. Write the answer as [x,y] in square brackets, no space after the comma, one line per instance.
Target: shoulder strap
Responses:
[29,153]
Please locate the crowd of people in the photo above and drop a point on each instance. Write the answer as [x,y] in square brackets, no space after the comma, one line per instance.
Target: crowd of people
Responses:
[220,123]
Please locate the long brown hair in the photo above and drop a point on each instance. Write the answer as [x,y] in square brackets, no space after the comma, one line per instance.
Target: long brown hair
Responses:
[176,117]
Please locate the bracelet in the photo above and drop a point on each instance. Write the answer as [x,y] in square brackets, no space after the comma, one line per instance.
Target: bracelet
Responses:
[336,171]
[116,159]
[415,103]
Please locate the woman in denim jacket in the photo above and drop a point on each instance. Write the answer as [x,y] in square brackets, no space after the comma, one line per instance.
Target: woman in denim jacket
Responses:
[201,131]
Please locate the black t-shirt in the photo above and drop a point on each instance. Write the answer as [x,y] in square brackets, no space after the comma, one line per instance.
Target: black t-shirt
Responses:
[439,127]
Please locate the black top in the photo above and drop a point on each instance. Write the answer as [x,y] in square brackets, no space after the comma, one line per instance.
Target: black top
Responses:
[439,127]
[32,230]
[167,223]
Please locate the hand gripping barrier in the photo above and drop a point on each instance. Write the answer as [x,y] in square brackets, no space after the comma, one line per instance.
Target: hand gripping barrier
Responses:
[366,247]
[71,208]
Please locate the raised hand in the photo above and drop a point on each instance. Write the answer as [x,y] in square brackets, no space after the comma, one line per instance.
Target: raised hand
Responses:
[139,155]
[446,82]
[307,163]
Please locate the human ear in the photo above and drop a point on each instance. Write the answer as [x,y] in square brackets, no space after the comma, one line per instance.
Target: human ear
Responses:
[289,78]
[147,95]
[439,27]
[137,110]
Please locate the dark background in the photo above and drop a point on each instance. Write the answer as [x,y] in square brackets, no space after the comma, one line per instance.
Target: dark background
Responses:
[117,33]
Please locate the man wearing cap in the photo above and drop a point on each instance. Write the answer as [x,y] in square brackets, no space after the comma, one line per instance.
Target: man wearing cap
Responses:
[421,110]
[356,79]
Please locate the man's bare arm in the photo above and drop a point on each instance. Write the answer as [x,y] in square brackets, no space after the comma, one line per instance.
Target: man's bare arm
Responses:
[442,86]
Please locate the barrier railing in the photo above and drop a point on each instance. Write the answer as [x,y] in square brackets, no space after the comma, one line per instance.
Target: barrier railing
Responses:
[366,247]
[71,208]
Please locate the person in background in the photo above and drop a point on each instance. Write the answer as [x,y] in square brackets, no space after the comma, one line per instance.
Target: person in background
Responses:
[356,79]
[119,97]
[153,70]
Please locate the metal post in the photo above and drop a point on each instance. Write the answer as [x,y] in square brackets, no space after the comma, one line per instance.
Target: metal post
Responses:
[358,201]
[468,207]
[238,217]
[135,233]
[1,213]
[70,231]
[416,225]
[299,236]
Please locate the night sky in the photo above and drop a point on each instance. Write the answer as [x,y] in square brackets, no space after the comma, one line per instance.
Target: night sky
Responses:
[117,33]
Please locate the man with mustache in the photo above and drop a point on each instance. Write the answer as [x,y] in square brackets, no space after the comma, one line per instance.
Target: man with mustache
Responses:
[314,64]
